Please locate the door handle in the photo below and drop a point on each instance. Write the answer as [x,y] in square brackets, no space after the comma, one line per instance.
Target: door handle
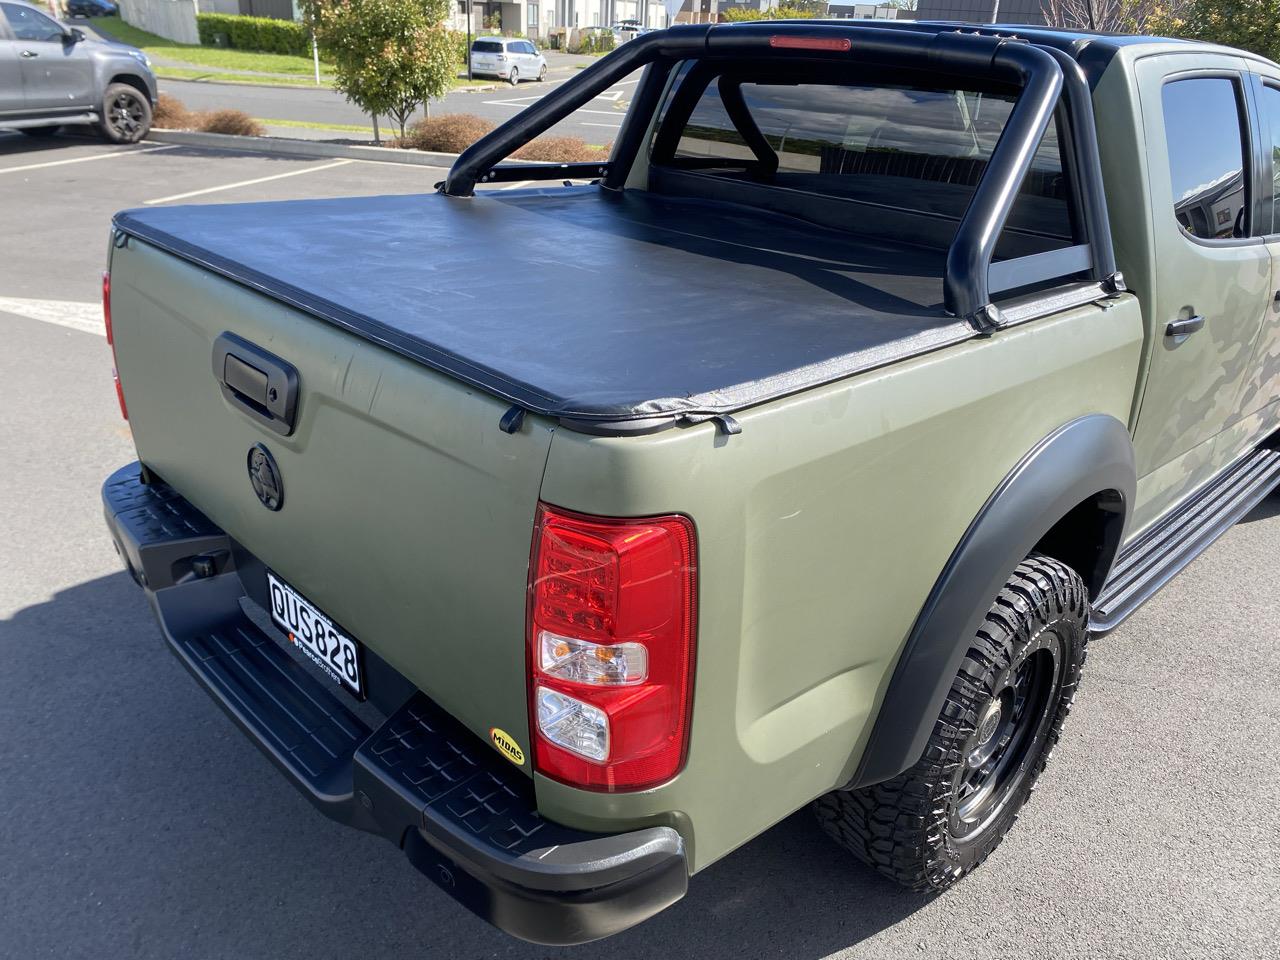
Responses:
[28,54]
[1184,328]
[259,383]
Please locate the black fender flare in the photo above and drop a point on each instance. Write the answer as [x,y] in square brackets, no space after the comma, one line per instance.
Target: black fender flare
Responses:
[1079,460]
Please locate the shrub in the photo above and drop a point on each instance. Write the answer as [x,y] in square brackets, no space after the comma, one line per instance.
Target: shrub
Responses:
[594,41]
[784,12]
[454,132]
[447,133]
[261,34]
[561,150]
[458,45]
[235,122]
[171,114]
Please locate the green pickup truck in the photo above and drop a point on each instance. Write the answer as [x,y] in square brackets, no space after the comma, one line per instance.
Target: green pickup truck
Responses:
[571,535]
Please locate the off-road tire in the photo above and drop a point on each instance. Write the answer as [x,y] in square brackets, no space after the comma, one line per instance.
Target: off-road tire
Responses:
[905,827]
[126,114]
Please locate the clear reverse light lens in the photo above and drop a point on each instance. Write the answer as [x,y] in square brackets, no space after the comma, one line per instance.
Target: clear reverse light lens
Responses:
[572,724]
[599,664]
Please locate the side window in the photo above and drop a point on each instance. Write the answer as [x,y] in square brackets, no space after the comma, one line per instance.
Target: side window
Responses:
[1270,103]
[30,24]
[1205,137]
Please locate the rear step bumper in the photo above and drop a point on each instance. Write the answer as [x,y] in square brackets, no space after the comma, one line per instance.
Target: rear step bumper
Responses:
[463,815]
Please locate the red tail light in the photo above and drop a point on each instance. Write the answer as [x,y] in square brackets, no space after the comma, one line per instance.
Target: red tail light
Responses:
[810,43]
[612,621]
[111,340]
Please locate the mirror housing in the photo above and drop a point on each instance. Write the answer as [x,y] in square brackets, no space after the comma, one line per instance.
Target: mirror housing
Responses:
[73,35]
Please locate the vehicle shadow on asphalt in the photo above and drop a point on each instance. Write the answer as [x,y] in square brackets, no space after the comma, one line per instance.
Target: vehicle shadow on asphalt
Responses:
[150,827]
[1268,508]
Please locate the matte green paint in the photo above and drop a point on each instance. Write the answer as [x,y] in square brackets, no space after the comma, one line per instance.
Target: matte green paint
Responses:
[407,513]
[821,527]
[1186,392]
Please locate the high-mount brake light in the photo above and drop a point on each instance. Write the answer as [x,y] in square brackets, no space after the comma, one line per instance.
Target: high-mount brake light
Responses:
[612,623]
[111,340]
[810,43]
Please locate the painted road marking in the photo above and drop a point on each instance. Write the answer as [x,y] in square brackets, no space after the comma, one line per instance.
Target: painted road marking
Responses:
[611,126]
[97,156]
[612,95]
[85,317]
[249,183]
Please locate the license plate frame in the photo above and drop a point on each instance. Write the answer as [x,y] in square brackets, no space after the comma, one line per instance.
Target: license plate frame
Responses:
[337,654]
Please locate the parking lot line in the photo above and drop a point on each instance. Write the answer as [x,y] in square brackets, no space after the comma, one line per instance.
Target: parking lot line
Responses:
[127,152]
[85,317]
[249,183]
[611,126]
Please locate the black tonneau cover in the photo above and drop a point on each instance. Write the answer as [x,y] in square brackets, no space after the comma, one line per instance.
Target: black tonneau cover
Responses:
[581,304]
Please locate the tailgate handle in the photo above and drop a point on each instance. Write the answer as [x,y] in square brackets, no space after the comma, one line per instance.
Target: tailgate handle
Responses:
[259,383]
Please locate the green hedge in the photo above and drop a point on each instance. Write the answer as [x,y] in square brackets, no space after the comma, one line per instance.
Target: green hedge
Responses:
[261,34]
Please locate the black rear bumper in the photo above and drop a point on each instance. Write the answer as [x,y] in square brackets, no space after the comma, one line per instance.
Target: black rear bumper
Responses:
[463,815]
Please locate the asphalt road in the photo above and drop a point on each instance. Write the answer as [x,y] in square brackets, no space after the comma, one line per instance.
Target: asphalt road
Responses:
[598,122]
[135,821]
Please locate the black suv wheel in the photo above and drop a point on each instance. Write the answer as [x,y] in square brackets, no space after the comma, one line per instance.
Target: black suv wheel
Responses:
[930,825]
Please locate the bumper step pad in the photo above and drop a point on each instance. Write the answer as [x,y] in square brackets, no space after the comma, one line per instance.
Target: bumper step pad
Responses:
[428,757]
[464,814]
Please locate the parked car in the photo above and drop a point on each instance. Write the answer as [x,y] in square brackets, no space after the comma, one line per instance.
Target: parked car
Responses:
[52,76]
[851,404]
[507,58]
[91,8]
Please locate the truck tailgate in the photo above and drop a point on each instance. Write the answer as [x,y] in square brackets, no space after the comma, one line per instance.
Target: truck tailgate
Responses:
[406,513]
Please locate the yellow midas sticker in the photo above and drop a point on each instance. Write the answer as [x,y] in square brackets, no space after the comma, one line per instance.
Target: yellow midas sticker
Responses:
[507,745]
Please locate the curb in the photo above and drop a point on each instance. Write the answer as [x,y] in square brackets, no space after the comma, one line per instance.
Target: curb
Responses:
[283,146]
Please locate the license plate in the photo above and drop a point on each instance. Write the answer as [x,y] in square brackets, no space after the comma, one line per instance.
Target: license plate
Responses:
[316,635]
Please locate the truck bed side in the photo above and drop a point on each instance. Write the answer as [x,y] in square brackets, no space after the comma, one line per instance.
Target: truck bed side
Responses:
[821,530]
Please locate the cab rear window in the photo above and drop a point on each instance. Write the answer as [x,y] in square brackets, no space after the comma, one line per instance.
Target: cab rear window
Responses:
[920,148]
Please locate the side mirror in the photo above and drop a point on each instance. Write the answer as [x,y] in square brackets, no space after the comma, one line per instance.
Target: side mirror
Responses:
[73,35]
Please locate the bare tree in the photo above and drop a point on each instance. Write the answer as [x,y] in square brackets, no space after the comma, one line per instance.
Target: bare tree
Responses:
[1107,16]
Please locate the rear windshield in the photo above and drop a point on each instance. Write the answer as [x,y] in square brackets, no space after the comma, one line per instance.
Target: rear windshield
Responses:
[487,46]
[915,148]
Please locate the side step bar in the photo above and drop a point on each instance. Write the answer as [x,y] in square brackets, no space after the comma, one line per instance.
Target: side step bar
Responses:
[1162,552]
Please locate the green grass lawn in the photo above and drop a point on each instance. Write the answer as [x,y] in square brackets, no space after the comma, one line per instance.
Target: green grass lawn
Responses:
[218,58]
[220,63]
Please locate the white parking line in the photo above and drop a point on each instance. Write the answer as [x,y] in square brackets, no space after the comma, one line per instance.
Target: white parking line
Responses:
[611,126]
[128,151]
[85,317]
[249,183]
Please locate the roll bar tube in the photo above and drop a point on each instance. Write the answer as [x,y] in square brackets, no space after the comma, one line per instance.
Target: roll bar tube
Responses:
[965,285]
[1039,72]
[478,159]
